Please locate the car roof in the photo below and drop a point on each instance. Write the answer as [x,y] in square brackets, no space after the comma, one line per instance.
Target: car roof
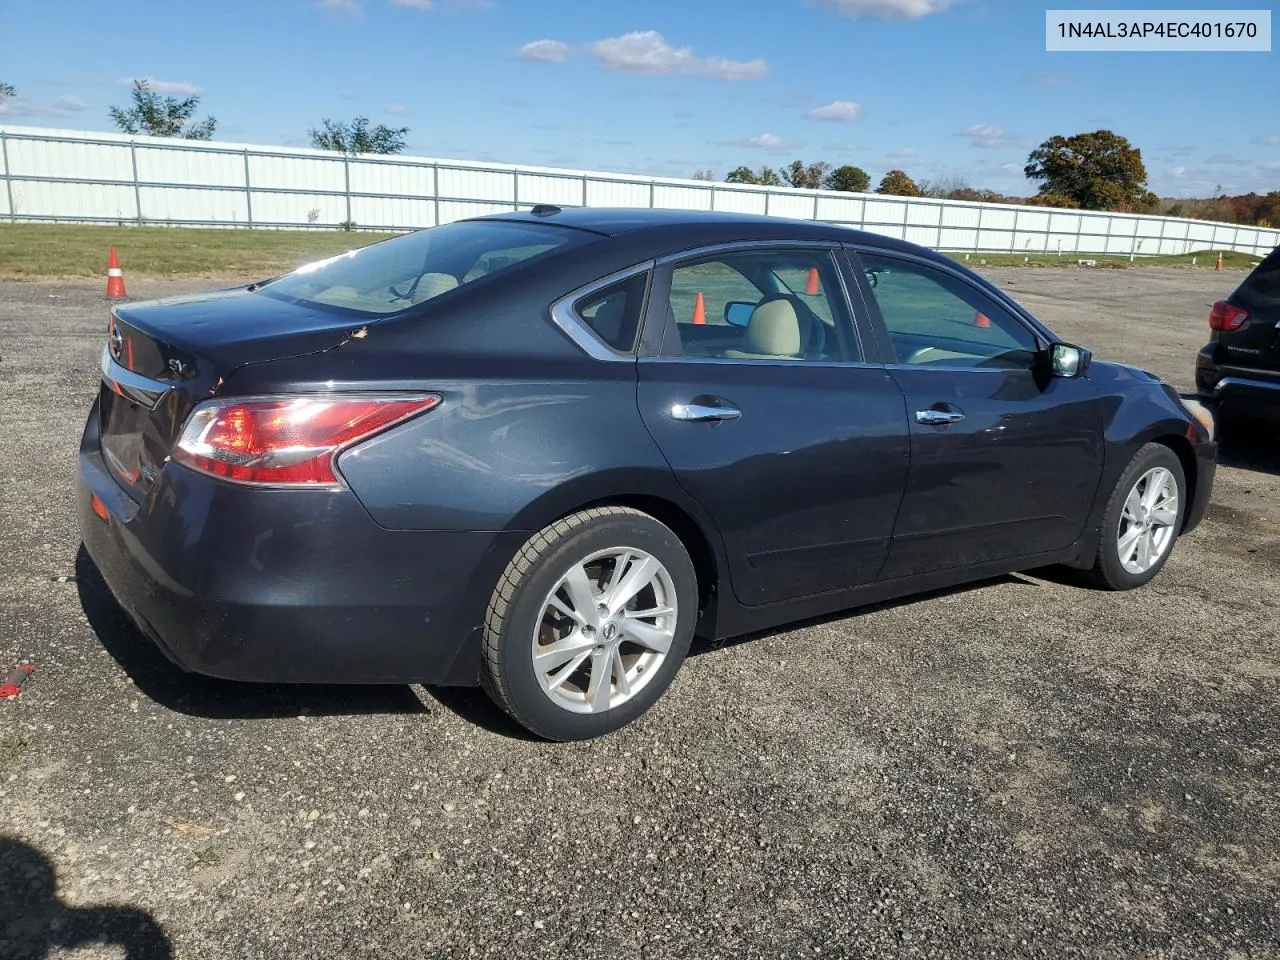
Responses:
[698,226]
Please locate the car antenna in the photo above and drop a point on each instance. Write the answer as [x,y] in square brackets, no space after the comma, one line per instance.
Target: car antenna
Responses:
[545,210]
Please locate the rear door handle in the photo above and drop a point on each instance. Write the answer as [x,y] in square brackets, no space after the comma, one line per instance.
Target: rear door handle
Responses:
[704,410]
[938,418]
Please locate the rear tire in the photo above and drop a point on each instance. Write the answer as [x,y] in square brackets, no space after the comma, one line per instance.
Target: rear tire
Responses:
[589,623]
[1142,520]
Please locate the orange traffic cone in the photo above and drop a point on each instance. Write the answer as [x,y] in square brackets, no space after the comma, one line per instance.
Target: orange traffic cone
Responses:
[811,285]
[699,310]
[1219,266]
[981,320]
[115,277]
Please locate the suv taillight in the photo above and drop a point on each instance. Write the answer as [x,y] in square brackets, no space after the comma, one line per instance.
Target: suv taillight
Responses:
[1223,316]
[286,440]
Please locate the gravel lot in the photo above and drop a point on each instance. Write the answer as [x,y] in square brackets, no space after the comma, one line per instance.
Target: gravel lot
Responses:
[1023,768]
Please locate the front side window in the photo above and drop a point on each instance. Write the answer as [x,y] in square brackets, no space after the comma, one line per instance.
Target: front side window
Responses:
[784,304]
[935,318]
[403,272]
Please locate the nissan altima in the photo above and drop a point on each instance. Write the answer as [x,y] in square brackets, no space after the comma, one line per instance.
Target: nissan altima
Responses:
[541,451]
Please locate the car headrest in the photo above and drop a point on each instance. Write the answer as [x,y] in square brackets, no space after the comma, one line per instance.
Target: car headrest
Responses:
[773,330]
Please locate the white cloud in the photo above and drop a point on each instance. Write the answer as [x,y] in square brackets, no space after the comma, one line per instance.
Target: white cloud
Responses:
[646,52]
[1226,159]
[886,9]
[766,141]
[399,110]
[342,8]
[413,4]
[989,137]
[544,51]
[906,153]
[1270,165]
[176,87]
[21,107]
[1268,139]
[845,110]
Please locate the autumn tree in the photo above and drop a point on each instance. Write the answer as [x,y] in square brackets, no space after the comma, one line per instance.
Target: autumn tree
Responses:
[1098,171]
[765,176]
[358,137]
[809,177]
[898,183]
[703,175]
[848,178]
[160,116]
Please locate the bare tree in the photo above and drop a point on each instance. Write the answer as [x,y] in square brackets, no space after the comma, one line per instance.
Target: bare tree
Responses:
[358,137]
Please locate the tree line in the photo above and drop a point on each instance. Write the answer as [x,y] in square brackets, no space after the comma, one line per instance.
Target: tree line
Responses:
[1100,170]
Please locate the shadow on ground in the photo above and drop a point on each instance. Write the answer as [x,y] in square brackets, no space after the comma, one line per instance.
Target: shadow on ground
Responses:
[34,922]
[209,697]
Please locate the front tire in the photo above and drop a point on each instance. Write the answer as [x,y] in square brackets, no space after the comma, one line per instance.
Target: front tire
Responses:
[1142,520]
[589,623]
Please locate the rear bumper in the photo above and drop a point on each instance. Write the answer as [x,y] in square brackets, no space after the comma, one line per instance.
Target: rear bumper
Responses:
[287,586]
[1217,384]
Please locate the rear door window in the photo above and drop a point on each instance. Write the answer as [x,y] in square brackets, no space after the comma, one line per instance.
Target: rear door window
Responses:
[1260,292]
[400,273]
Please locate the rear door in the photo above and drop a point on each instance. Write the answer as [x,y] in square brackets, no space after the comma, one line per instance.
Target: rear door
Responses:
[775,422]
[1005,459]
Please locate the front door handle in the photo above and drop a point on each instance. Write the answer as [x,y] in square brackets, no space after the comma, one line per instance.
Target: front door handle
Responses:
[704,410]
[938,418]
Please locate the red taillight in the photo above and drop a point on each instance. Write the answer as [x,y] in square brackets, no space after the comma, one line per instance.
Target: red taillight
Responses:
[287,440]
[1223,316]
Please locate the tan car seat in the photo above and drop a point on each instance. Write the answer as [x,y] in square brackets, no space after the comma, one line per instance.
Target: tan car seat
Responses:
[772,333]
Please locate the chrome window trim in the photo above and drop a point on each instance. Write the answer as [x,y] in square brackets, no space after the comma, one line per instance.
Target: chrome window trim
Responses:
[793,364]
[132,386]
[564,316]
[734,246]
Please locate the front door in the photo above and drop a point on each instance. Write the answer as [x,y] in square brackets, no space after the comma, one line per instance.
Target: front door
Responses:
[1005,459]
[761,402]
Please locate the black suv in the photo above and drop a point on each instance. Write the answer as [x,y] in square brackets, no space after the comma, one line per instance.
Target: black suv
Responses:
[1238,371]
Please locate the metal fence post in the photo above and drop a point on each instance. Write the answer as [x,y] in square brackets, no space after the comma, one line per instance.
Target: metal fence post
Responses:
[1160,242]
[713,196]
[767,195]
[584,189]
[815,205]
[515,188]
[651,188]
[248,193]
[435,192]
[346,181]
[137,190]
[1013,240]
[977,242]
[8,177]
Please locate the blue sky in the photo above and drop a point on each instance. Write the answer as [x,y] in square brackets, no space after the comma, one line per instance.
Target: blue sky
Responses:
[941,88]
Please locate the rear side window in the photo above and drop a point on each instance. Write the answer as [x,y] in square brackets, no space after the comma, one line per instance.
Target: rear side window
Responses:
[1260,292]
[613,313]
[403,272]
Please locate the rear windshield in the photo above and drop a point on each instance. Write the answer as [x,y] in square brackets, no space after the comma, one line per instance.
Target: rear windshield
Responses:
[402,272]
[1261,289]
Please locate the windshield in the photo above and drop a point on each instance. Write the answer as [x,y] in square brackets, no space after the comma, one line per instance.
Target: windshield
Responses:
[400,273]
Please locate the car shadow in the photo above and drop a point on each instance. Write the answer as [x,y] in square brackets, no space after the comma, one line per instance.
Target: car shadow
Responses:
[1250,446]
[701,646]
[201,696]
[35,923]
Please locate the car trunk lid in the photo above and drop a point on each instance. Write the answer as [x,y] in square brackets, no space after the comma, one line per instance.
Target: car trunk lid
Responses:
[165,356]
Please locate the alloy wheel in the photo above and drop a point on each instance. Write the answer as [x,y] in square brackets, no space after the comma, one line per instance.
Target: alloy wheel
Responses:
[1146,529]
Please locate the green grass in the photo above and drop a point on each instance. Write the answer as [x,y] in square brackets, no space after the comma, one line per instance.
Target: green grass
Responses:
[32,251]
[1205,260]
[36,250]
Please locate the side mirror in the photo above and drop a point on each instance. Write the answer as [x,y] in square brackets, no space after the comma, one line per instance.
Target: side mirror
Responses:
[1067,360]
[738,312]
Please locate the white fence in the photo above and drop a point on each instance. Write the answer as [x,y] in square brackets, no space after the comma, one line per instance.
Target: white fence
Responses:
[108,178]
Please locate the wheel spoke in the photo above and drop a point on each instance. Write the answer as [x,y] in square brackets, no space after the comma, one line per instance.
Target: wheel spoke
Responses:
[650,613]
[565,609]
[1164,515]
[1146,550]
[1154,488]
[1132,504]
[1128,542]
[653,638]
[562,651]
[558,680]
[582,594]
[633,581]
[620,673]
[598,689]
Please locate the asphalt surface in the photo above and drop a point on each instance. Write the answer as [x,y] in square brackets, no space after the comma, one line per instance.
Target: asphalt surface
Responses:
[1023,768]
